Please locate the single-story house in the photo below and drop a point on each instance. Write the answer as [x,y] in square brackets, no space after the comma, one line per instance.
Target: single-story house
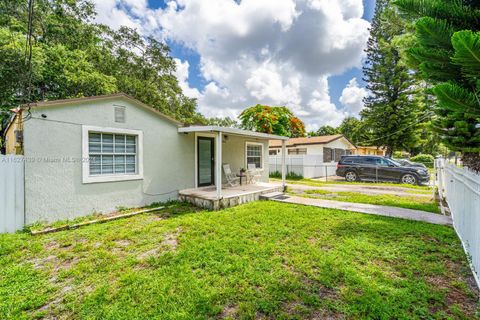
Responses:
[99,153]
[370,150]
[329,148]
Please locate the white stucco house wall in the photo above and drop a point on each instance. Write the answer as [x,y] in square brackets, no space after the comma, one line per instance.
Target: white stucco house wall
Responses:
[328,148]
[99,153]
[310,157]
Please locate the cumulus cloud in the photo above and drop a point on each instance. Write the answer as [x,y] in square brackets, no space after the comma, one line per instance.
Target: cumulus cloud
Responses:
[276,52]
[352,97]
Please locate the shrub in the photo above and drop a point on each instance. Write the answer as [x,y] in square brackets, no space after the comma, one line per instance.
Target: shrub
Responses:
[426,159]
[290,175]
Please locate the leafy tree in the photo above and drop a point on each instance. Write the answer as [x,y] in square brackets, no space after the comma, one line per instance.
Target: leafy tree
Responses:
[274,120]
[446,54]
[324,131]
[74,57]
[391,110]
[355,131]
[223,122]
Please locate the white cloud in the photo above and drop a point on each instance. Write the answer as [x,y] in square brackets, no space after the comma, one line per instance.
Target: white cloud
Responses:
[324,112]
[276,52]
[181,73]
[352,97]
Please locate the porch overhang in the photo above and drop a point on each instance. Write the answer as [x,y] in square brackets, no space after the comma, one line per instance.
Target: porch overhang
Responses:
[233,131]
[219,131]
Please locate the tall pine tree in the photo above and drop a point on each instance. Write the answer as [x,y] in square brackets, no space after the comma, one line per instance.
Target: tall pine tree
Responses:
[447,55]
[391,111]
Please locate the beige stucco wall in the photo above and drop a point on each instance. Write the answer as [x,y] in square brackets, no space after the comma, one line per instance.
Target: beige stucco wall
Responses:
[53,168]
[11,145]
[234,153]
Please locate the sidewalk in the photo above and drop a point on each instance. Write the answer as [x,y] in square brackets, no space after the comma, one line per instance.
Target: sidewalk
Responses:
[409,214]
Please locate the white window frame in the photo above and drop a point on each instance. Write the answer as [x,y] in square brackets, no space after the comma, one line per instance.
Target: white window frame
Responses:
[87,178]
[262,153]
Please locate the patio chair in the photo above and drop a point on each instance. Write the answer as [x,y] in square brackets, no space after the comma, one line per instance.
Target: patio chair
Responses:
[232,179]
[253,174]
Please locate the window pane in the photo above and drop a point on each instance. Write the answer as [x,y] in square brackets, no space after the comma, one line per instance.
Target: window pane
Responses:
[107,160]
[95,160]
[94,137]
[107,138]
[95,169]
[119,148]
[94,147]
[131,148]
[120,168]
[119,160]
[119,138]
[130,168]
[130,159]
[107,169]
[107,148]
[131,140]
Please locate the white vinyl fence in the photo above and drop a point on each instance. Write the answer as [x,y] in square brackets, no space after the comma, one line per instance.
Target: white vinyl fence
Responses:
[11,193]
[460,187]
[308,166]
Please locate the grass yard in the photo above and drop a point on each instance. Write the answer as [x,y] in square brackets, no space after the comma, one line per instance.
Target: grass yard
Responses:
[319,182]
[409,202]
[263,260]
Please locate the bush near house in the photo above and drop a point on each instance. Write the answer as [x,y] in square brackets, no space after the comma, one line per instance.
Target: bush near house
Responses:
[290,175]
[426,159]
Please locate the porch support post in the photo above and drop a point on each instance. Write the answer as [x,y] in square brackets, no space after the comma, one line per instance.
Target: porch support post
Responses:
[218,164]
[284,152]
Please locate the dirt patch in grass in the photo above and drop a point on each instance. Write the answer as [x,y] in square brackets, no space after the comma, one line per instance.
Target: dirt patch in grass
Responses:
[459,295]
[169,243]
[170,240]
[123,243]
[229,312]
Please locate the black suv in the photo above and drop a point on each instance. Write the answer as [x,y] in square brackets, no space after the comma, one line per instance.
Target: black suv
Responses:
[376,168]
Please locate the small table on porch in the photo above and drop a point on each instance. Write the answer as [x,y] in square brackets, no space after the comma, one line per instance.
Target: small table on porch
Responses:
[242,175]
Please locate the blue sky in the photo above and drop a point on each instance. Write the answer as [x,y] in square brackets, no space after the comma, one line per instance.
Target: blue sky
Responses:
[305,54]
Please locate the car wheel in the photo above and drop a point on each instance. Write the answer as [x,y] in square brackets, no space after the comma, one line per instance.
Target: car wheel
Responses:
[351,176]
[409,179]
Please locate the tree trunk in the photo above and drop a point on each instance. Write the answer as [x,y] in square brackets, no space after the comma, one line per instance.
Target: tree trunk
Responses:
[389,152]
[471,160]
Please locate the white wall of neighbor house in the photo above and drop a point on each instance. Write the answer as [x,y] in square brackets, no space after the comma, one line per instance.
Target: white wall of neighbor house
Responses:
[54,186]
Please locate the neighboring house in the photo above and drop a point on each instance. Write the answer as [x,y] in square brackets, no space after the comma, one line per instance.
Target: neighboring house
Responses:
[13,134]
[329,148]
[372,150]
[98,153]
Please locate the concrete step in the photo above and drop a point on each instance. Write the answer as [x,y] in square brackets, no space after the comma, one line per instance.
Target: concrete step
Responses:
[271,195]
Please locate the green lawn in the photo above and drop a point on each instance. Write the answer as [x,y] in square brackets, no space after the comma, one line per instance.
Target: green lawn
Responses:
[314,182]
[409,202]
[263,260]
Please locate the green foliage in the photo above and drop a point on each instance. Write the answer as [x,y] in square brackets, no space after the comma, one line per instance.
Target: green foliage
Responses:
[324,131]
[356,131]
[223,122]
[392,110]
[73,57]
[447,54]
[273,120]
[426,159]
[289,176]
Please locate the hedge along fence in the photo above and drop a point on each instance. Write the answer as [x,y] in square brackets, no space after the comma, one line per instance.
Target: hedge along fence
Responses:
[426,159]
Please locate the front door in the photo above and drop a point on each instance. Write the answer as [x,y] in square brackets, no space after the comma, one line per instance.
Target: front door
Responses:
[205,161]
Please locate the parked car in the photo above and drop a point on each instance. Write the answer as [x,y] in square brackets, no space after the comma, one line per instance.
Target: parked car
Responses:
[408,163]
[377,168]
